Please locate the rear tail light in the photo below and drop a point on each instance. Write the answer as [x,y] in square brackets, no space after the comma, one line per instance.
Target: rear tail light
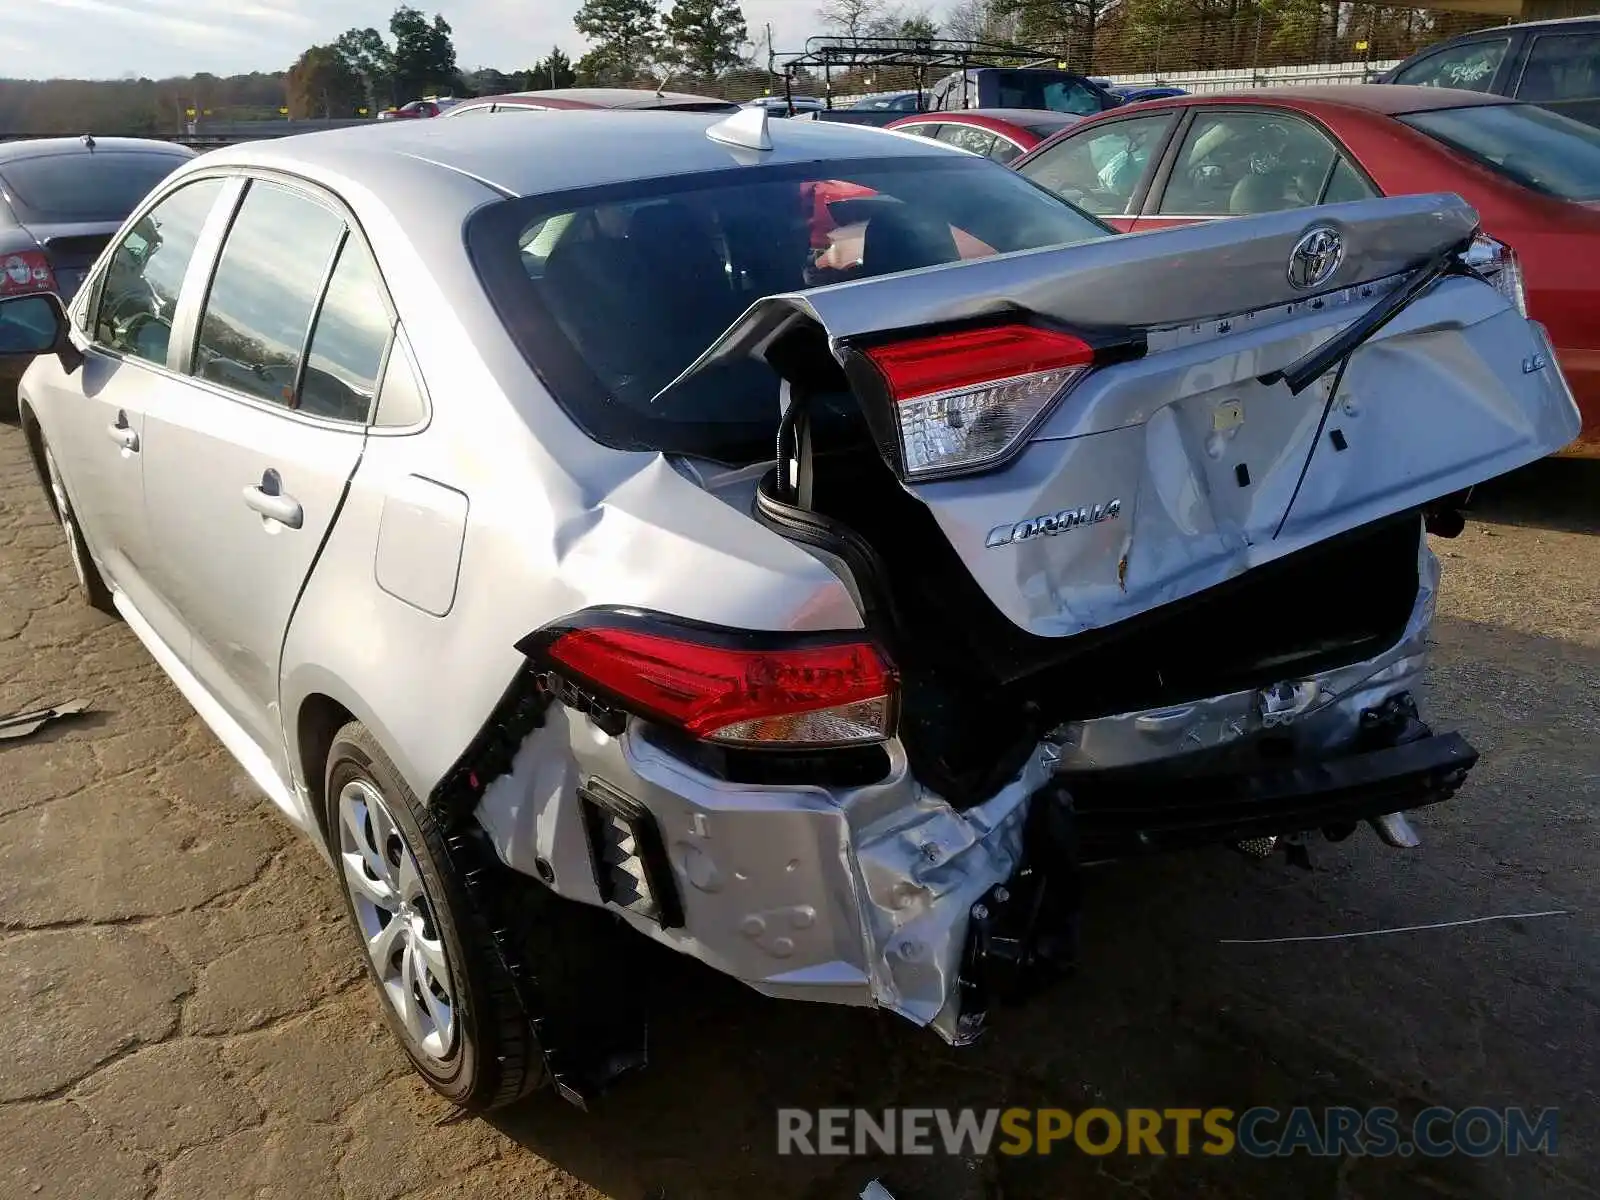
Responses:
[1497,263]
[726,687]
[964,400]
[26,271]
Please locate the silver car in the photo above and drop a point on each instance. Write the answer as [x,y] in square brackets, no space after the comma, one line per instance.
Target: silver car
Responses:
[805,546]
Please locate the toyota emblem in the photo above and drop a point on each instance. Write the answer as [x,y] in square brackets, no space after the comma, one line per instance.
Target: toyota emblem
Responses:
[1315,257]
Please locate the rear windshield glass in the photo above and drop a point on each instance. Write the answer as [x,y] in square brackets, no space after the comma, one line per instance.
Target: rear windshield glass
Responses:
[79,186]
[1535,147]
[613,292]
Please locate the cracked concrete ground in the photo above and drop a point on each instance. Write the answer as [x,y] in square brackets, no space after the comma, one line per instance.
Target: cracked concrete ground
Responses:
[183,1016]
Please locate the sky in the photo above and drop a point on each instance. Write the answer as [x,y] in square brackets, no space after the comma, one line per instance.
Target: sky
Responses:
[110,39]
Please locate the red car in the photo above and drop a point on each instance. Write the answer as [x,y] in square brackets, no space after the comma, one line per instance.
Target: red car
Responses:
[1002,134]
[417,109]
[1533,176]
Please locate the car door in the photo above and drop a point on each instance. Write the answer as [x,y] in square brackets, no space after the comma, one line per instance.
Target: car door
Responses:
[1104,169]
[1561,72]
[246,466]
[1237,162]
[94,417]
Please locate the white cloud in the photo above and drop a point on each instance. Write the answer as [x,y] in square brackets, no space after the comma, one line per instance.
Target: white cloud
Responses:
[106,39]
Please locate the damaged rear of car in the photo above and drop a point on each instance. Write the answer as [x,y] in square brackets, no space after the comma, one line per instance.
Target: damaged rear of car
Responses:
[1132,530]
[806,546]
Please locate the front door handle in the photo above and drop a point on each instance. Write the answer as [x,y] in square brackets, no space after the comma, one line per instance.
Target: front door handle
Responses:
[123,435]
[268,499]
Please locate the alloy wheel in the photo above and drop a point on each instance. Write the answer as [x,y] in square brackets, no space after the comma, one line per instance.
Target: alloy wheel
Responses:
[396,920]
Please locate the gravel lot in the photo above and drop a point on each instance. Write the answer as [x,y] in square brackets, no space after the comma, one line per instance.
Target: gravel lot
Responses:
[184,1015]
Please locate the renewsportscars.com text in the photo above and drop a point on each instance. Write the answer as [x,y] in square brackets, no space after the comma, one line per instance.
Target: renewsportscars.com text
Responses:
[1256,1132]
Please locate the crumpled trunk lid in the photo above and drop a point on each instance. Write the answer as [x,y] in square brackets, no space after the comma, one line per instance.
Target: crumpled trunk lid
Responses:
[1156,478]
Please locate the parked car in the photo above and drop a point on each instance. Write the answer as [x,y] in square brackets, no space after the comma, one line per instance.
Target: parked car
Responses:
[998,133]
[781,106]
[1533,175]
[1133,95]
[61,199]
[564,561]
[900,102]
[587,98]
[1554,64]
[420,109]
[1020,87]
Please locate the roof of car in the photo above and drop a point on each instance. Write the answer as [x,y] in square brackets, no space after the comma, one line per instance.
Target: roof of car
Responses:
[40,147]
[555,153]
[1026,117]
[1590,19]
[1389,99]
[612,98]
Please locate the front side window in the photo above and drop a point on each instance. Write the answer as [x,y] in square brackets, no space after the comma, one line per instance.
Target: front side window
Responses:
[612,295]
[1527,144]
[925,129]
[1099,170]
[139,291]
[1236,163]
[1561,67]
[1470,67]
[253,329]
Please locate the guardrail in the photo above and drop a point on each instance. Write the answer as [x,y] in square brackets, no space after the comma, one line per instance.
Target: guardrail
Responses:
[211,134]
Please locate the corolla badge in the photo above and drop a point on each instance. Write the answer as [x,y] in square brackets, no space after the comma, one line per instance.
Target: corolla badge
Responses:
[1315,257]
[1051,523]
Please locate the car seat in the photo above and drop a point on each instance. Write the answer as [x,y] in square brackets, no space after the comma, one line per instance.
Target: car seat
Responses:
[1260,193]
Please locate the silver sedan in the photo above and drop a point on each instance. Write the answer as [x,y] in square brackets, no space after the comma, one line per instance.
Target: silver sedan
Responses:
[802,545]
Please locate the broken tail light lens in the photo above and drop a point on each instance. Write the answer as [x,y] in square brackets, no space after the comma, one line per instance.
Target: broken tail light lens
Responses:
[26,271]
[964,399]
[810,694]
[1498,264]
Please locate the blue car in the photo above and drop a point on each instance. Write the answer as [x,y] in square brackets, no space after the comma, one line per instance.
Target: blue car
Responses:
[1132,95]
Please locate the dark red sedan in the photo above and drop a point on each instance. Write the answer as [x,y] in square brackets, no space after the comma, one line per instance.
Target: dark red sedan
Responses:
[1002,134]
[1533,176]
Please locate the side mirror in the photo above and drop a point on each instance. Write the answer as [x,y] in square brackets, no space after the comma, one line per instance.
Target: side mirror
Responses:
[36,324]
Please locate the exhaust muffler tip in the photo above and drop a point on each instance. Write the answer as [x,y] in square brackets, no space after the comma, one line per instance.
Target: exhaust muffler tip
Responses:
[1396,831]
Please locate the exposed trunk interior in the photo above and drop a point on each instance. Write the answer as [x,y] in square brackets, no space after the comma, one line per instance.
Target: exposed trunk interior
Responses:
[979,691]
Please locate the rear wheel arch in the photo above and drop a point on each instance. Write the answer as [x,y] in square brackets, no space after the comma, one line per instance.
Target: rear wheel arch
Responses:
[317,723]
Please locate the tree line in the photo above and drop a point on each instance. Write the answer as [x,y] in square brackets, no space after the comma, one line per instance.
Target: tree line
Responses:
[706,45]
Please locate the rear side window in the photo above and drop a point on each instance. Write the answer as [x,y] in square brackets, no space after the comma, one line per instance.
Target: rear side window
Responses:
[1470,67]
[968,137]
[613,292]
[1561,67]
[264,292]
[1237,163]
[105,185]
[1347,184]
[139,290]
[348,341]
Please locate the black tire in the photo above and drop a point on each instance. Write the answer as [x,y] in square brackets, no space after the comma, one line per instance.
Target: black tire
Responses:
[493,1058]
[91,585]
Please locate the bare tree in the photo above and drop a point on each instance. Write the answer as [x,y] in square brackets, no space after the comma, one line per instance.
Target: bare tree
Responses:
[853,20]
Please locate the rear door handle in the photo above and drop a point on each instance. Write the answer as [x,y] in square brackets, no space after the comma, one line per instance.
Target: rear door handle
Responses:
[268,499]
[122,434]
